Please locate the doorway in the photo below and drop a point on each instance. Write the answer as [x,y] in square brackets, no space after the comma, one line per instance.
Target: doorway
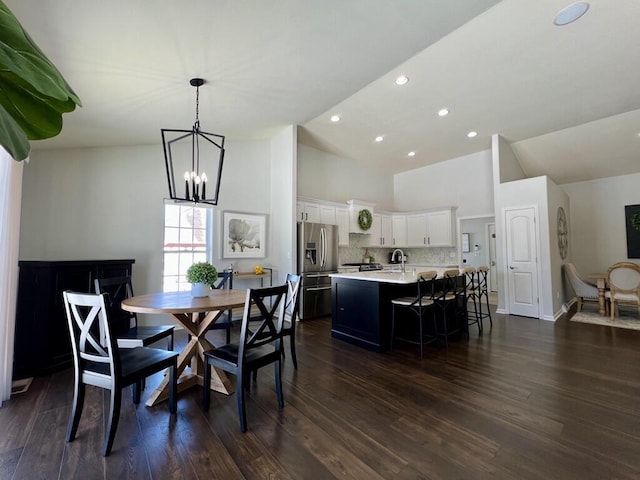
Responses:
[481,246]
[493,265]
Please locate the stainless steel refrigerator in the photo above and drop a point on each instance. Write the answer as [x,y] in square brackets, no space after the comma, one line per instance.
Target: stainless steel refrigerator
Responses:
[317,258]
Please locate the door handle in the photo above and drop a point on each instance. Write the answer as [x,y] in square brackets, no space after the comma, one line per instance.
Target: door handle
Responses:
[512,268]
[317,289]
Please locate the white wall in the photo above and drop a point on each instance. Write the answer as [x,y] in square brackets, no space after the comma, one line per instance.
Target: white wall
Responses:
[325,176]
[465,182]
[101,203]
[597,231]
[530,192]
[283,200]
[556,197]
[502,158]
[508,168]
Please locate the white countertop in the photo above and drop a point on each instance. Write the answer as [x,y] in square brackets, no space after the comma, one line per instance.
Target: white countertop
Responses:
[389,276]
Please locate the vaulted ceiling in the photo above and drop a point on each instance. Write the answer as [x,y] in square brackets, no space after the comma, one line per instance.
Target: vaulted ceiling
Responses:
[564,97]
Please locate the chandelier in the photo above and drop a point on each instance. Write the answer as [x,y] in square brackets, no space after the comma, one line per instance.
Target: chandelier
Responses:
[196,157]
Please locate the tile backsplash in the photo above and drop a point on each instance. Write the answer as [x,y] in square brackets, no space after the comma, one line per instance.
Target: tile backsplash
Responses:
[424,256]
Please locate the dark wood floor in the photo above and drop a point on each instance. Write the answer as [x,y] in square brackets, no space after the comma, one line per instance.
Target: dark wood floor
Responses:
[529,399]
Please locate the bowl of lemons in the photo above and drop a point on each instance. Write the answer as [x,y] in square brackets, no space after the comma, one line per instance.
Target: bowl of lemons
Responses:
[258,270]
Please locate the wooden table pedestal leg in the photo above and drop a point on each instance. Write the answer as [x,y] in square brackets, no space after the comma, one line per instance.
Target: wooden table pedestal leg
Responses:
[193,356]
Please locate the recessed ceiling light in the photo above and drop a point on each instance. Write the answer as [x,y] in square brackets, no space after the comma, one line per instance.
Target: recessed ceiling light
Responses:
[443,112]
[402,80]
[335,118]
[411,154]
[570,13]
[379,138]
[472,134]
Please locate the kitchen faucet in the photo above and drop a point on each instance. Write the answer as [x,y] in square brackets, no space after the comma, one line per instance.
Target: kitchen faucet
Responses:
[393,255]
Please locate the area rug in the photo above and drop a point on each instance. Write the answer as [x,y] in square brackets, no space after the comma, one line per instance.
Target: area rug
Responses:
[625,320]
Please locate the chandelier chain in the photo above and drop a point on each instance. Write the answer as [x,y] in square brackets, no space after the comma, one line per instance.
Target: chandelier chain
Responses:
[197,105]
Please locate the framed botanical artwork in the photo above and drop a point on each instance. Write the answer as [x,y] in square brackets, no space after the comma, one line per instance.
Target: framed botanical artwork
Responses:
[243,235]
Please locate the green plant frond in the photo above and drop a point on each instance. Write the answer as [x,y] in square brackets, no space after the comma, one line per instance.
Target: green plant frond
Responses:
[37,117]
[20,87]
[33,93]
[20,54]
[12,137]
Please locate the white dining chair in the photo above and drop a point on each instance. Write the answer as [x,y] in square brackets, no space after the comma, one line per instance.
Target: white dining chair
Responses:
[585,291]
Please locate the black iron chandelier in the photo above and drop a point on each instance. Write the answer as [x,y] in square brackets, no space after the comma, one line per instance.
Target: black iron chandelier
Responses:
[195,156]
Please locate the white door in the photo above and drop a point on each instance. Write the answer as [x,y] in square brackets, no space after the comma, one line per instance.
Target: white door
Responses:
[522,262]
[493,268]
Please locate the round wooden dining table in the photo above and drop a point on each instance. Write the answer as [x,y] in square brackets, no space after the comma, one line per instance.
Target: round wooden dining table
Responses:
[601,283]
[196,315]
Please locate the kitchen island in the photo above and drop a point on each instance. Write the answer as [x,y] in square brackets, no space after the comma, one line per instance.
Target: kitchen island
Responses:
[361,304]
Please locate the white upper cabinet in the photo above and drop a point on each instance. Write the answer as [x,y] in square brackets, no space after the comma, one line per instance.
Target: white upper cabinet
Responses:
[399,230]
[328,215]
[308,212]
[440,229]
[381,234]
[342,219]
[431,229]
[417,230]
[386,230]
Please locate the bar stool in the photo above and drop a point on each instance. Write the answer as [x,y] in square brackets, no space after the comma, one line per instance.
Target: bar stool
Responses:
[483,293]
[471,293]
[447,301]
[420,305]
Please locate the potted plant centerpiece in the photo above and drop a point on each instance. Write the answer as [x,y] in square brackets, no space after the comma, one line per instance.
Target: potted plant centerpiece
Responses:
[201,276]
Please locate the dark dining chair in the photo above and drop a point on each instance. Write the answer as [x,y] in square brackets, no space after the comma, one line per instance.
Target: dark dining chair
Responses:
[98,361]
[225,321]
[293,283]
[259,345]
[124,325]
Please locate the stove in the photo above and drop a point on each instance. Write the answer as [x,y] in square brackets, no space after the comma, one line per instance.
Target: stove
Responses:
[370,267]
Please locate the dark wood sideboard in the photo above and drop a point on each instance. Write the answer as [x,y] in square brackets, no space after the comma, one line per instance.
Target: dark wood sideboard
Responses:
[42,345]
